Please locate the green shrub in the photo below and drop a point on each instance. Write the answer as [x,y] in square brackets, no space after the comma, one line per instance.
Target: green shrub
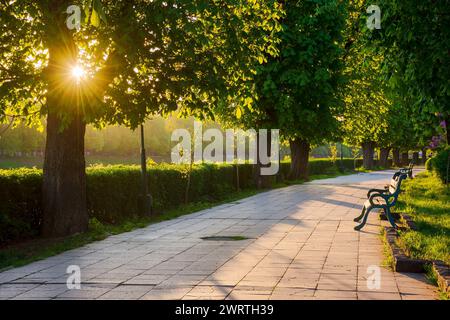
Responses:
[323,166]
[441,165]
[20,203]
[113,191]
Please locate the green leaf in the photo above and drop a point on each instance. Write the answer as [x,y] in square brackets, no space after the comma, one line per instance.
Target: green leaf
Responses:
[87,13]
[238,113]
[98,7]
[95,19]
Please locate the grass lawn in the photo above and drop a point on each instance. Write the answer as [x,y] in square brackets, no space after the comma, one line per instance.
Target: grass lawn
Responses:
[427,200]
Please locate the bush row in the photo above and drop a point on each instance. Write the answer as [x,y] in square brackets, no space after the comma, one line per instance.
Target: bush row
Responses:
[20,204]
[440,165]
[113,191]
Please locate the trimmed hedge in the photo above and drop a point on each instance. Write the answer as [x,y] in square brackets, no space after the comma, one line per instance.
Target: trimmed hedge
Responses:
[324,166]
[440,165]
[20,204]
[113,191]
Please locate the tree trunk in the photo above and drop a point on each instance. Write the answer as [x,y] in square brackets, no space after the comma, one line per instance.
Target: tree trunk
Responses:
[416,158]
[368,150]
[299,159]
[384,157]
[396,157]
[404,158]
[64,181]
[64,185]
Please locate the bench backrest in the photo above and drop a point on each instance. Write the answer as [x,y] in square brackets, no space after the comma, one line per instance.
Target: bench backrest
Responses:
[395,184]
[395,188]
[395,178]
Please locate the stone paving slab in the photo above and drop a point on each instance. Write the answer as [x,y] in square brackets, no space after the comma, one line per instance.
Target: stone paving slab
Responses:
[301,246]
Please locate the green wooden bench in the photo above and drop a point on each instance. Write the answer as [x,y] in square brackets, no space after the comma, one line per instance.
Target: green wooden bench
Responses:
[382,199]
[392,183]
[409,170]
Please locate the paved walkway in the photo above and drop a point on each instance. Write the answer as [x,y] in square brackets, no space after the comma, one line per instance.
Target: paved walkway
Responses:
[302,246]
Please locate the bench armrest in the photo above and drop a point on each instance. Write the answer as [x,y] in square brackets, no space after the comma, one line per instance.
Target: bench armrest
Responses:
[375,190]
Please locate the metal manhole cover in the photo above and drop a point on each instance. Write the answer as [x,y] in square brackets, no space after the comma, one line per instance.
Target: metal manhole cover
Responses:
[225,238]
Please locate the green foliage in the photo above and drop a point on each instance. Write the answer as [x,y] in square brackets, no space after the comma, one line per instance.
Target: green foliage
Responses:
[111,140]
[21,139]
[366,116]
[113,191]
[414,41]
[302,84]
[20,205]
[441,165]
[141,57]
[374,110]
[323,166]
[296,91]
[401,132]
[325,151]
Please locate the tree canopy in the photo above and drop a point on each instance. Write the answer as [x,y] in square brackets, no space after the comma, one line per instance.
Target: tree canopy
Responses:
[296,91]
[142,57]
[414,41]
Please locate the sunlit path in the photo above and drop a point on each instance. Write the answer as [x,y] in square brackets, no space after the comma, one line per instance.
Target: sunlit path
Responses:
[301,245]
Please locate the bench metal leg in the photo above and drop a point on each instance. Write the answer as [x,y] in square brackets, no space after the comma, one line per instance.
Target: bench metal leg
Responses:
[387,211]
[364,220]
[358,218]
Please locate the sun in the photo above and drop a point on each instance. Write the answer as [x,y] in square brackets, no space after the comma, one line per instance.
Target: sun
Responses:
[78,72]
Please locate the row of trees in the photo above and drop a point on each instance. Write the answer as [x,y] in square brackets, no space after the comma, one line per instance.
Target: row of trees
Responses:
[337,80]
[297,90]
[311,68]
[110,140]
[398,93]
[119,142]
